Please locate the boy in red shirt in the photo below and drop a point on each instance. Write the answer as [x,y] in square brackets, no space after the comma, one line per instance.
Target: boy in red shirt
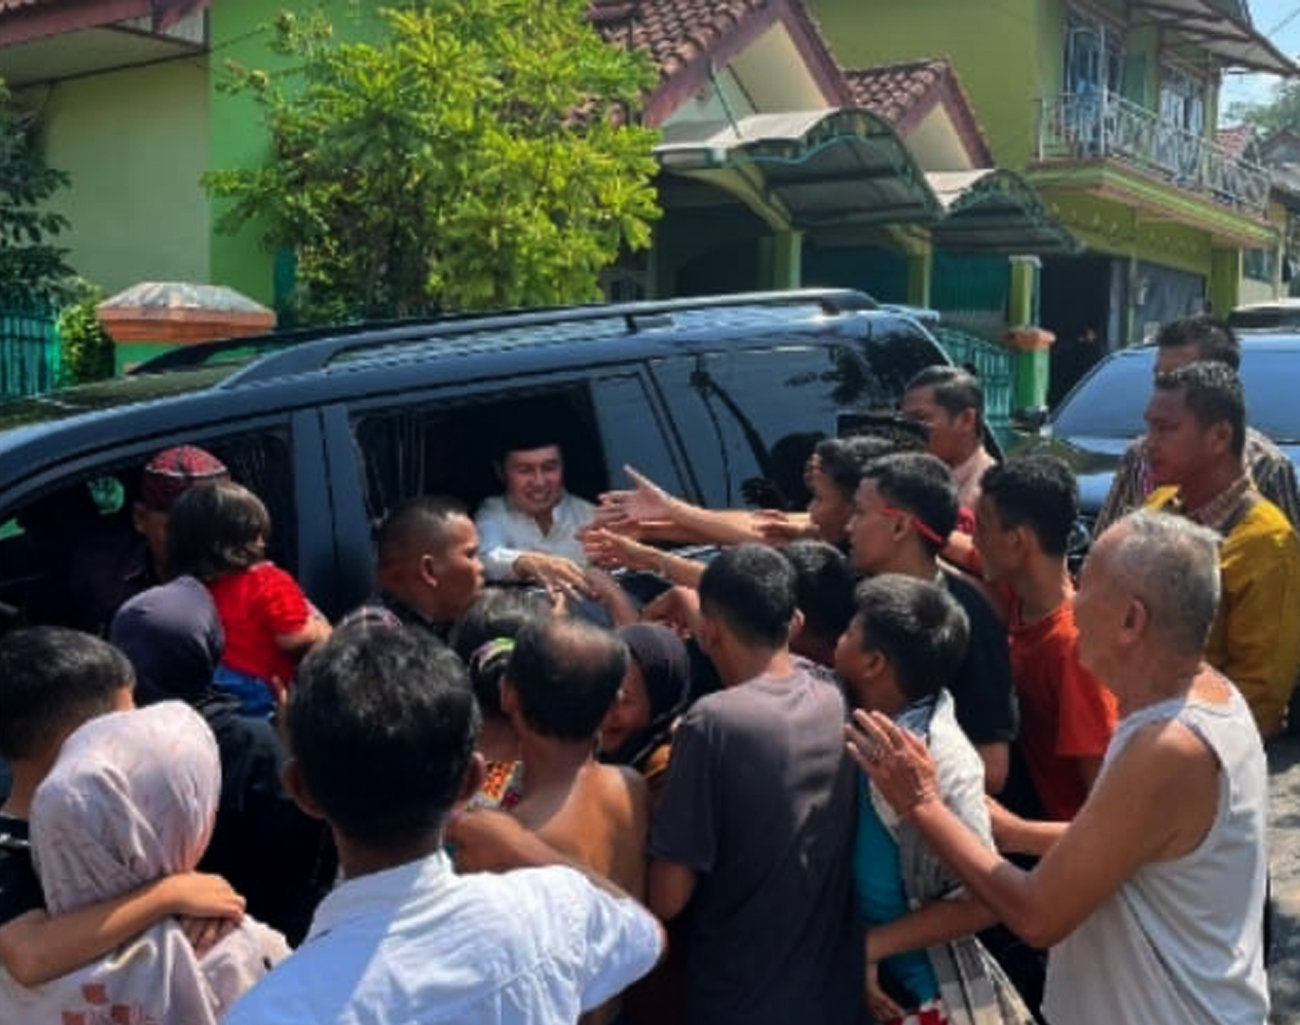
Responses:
[1026,510]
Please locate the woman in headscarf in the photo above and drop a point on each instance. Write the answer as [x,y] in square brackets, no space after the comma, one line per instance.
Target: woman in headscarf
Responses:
[131,799]
[282,861]
[637,730]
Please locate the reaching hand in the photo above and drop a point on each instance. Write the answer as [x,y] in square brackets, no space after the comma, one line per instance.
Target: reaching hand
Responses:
[882,1008]
[610,550]
[207,907]
[609,592]
[202,895]
[678,608]
[554,572]
[646,502]
[778,527]
[205,933]
[896,760]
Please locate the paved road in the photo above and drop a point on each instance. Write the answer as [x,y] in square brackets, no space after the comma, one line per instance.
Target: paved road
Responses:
[1284,841]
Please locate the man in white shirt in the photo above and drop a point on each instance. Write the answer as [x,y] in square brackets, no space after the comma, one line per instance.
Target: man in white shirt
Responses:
[381,725]
[531,532]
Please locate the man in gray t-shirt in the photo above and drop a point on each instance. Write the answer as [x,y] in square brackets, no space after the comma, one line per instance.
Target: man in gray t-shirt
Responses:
[753,837]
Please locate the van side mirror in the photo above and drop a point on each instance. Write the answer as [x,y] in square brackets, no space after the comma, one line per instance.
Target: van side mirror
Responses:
[1030,419]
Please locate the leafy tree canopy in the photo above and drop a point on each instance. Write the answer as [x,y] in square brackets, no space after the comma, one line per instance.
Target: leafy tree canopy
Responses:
[32,269]
[479,155]
[1281,113]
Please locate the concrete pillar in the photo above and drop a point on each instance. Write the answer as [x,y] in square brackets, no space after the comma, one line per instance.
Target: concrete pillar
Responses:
[920,266]
[1225,281]
[780,259]
[1032,343]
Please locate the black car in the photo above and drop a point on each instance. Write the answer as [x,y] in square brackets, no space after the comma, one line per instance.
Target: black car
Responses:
[1095,423]
[717,399]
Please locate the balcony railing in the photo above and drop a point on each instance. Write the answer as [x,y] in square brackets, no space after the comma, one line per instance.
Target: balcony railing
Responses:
[1103,126]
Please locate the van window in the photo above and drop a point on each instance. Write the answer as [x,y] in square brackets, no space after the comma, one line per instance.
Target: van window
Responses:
[441,446]
[48,542]
[750,418]
[897,351]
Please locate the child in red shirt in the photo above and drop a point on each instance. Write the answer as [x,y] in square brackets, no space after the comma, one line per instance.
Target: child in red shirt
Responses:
[217,533]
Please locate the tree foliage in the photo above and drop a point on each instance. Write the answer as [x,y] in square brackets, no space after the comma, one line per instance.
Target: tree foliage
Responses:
[32,267]
[478,155]
[1281,113]
[86,350]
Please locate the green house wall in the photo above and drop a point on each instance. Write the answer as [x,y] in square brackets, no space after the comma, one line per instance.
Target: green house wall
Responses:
[240,31]
[994,47]
[134,143]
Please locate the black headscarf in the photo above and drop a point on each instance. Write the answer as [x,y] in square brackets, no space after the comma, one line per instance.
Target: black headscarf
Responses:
[172,635]
[666,668]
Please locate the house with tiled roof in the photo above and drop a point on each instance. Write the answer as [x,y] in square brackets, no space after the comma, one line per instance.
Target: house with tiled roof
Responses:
[778,167]
[1108,108]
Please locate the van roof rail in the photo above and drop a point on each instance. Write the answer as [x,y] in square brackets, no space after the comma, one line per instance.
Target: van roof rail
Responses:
[296,351]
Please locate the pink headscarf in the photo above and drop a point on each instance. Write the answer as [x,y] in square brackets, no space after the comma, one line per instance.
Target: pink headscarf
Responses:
[131,799]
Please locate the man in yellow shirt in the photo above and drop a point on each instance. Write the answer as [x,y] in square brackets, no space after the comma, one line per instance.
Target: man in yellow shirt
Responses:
[1196,430]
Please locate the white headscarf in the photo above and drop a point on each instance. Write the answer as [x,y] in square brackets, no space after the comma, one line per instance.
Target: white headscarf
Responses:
[131,799]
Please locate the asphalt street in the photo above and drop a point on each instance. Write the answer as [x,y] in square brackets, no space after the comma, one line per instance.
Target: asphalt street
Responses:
[1284,854]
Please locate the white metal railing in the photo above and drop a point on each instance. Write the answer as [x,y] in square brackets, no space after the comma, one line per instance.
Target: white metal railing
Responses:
[1104,126]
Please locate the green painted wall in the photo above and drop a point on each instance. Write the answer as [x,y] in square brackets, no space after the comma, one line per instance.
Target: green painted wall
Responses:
[994,47]
[240,30]
[135,143]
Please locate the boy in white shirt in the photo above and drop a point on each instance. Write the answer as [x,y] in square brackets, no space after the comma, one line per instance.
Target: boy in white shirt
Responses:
[382,726]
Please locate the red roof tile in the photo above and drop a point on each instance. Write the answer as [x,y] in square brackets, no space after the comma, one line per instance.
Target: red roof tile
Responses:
[684,38]
[893,90]
[672,32]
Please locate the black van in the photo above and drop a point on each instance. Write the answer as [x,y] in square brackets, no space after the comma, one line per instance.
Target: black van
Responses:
[718,399]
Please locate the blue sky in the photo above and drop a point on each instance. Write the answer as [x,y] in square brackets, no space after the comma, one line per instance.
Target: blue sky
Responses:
[1267,15]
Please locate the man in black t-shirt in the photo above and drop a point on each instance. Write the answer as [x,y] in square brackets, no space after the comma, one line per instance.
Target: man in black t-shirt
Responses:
[752,839]
[51,681]
[904,510]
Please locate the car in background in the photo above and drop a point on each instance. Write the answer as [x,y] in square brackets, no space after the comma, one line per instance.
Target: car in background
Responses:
[1097,420]
[1275,315]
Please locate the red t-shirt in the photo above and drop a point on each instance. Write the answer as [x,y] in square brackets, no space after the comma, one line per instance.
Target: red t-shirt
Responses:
[255,606]
[1065,713]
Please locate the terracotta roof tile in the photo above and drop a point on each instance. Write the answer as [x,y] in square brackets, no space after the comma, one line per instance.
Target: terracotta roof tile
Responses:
[893,90]
[672,32]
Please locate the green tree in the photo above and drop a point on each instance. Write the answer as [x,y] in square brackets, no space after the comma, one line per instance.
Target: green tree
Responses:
[87,352]
[32,267]
[479,155]
[1281,113]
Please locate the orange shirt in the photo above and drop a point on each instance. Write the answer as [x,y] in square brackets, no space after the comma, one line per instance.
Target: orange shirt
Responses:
[1065,713]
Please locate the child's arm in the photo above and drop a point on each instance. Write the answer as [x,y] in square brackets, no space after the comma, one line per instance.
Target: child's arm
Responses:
[37,947]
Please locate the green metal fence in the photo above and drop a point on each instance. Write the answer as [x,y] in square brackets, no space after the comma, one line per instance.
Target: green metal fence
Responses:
[29,352]
[993,363]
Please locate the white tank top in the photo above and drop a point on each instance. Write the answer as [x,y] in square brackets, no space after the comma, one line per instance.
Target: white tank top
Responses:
[1181,942]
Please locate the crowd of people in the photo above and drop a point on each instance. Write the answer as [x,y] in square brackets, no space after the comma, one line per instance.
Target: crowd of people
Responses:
[881,760]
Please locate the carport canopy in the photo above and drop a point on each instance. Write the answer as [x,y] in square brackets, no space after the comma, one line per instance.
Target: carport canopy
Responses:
[805,170]
[843,169]
[991,210]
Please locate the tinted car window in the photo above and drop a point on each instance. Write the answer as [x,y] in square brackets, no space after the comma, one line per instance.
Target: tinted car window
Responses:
[1110,403]
[752,417]
[897,351]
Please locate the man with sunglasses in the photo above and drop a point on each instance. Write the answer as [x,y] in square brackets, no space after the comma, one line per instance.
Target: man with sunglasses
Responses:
[903,512]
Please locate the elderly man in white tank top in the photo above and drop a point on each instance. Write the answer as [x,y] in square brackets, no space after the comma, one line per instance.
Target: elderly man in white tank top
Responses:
[1152,898]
